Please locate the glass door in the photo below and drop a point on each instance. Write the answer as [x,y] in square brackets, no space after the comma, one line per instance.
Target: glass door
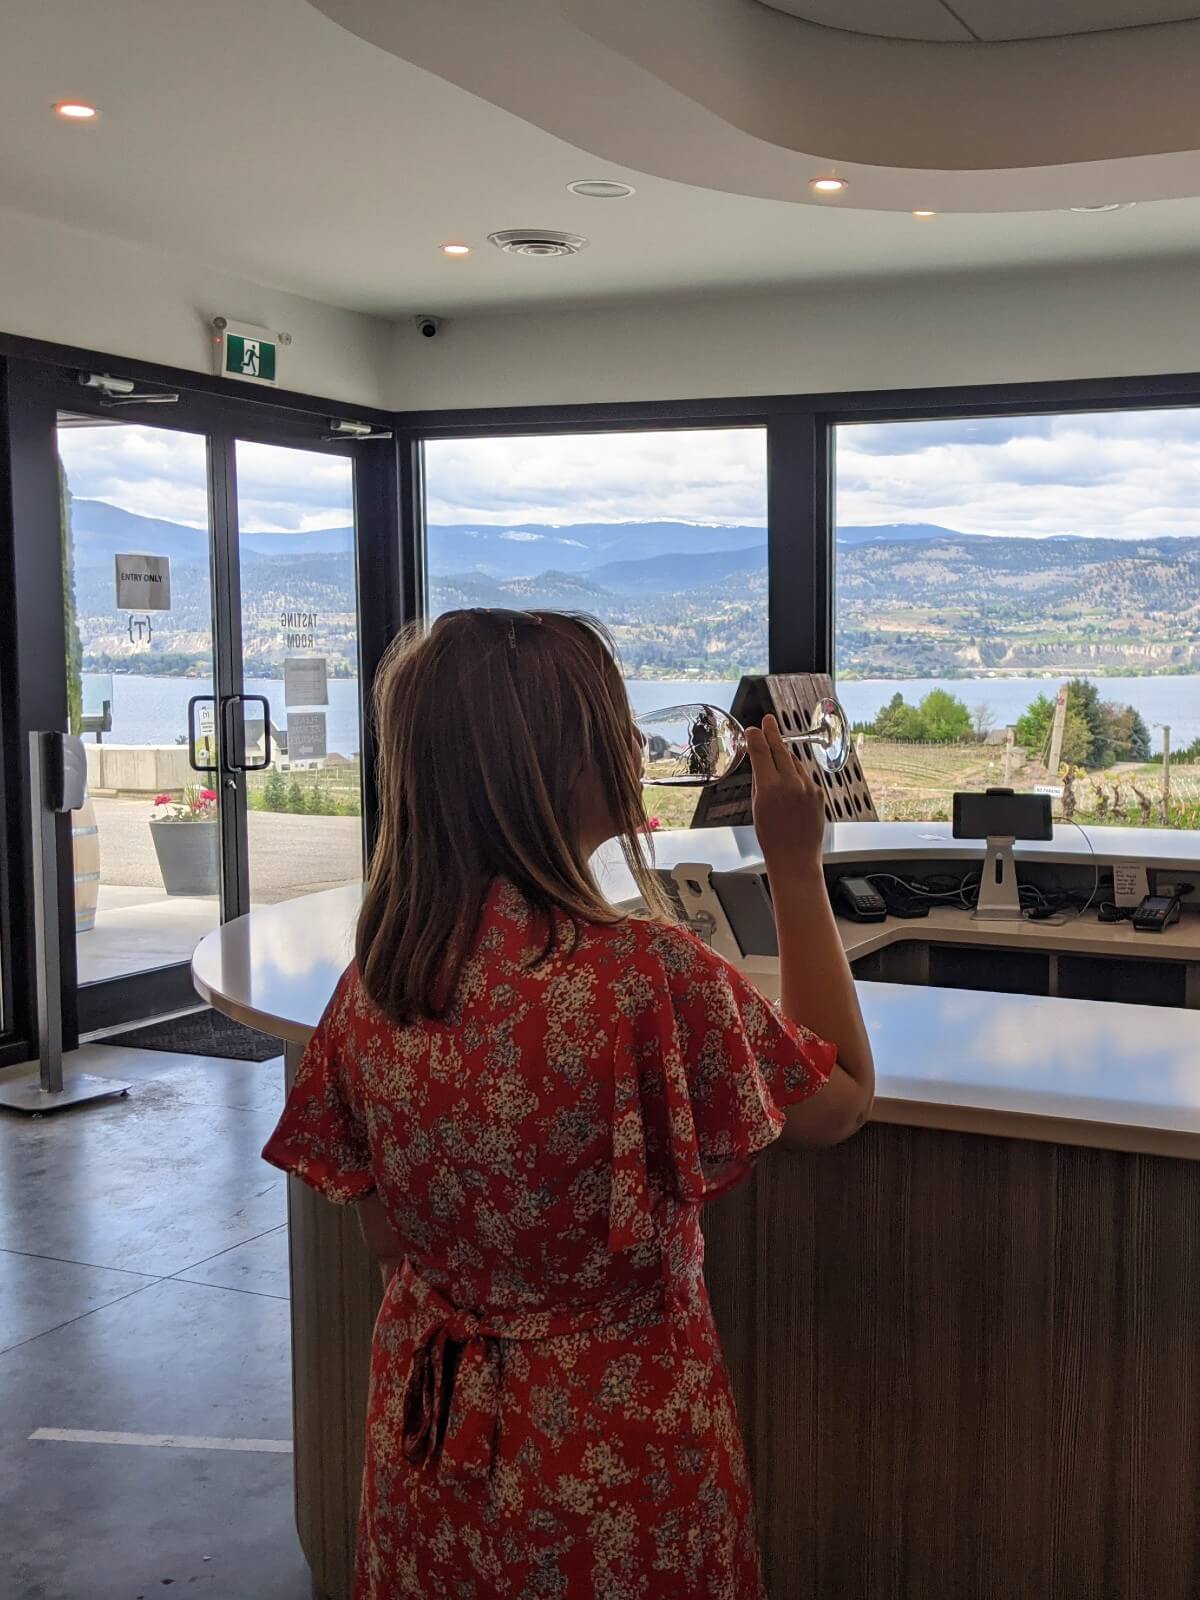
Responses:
[210,591]
[137,568]
[299,717]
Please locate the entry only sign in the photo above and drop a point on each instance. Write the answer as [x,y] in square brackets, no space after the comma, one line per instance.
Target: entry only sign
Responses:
[143,583]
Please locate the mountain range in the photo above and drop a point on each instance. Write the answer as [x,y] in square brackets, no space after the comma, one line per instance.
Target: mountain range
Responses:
[913,599]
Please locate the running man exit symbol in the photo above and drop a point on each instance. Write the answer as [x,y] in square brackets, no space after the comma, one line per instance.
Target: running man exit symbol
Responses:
[250,358]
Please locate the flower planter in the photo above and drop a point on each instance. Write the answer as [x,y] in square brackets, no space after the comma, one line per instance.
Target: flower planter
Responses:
[188,856]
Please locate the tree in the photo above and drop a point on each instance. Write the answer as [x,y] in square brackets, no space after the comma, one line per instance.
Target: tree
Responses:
[1033,731]
[984,719]
[1126,734]
[295,797]
[1077,739]
[944,717]
[1084,697]
[70,614]
[889,718]
[274,791]
[1033,725]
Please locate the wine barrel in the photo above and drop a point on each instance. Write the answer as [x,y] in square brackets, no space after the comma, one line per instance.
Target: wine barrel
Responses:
[85,837]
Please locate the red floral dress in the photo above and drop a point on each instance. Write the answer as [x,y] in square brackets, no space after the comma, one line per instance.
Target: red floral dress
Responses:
[549,1414]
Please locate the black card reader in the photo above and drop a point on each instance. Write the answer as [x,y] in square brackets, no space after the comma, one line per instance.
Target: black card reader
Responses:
[1156,912]
[859,900]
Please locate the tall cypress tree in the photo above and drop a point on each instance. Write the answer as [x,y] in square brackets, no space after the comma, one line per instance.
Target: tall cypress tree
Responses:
[70,616]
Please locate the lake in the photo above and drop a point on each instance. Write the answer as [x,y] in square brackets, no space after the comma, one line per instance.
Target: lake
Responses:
[150,710]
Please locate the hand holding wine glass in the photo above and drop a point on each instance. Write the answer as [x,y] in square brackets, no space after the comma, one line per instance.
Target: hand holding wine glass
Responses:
[788,803]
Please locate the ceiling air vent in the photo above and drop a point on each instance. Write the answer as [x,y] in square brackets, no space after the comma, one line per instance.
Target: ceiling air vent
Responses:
[537,242]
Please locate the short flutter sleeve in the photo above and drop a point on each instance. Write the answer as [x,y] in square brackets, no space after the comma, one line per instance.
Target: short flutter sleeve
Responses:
[321,1138]
[718,1065]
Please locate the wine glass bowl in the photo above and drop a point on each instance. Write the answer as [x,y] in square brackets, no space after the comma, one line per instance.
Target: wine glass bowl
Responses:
[689,746]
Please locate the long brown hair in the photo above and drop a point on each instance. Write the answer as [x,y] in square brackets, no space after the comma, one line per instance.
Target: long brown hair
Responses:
[485,726]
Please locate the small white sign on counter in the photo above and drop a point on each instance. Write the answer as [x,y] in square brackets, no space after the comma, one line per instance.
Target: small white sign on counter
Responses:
[1130,886]
[305,681]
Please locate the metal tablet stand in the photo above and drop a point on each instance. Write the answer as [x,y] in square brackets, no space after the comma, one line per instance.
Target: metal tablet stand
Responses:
[999,900]
[53,761]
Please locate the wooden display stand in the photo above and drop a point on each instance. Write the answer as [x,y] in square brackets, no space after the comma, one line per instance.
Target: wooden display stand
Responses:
[791,697]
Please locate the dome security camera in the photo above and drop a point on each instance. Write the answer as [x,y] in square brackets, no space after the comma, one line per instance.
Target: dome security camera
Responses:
[428,327]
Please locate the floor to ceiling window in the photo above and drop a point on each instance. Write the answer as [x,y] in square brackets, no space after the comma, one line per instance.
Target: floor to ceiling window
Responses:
[986,564]
[661,535]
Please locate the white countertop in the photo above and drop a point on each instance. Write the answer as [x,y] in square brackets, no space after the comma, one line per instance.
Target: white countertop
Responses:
[1069,1071]
[846,843]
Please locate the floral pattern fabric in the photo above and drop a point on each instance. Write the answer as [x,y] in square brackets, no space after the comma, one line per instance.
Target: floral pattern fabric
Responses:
[549,1414]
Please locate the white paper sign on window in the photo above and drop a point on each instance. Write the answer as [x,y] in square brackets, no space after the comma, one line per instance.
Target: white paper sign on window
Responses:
[143,583]
[306,736]
[305,681]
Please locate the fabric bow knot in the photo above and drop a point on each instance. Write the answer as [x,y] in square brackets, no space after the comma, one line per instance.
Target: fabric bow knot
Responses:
[452,1389]
[451,1398]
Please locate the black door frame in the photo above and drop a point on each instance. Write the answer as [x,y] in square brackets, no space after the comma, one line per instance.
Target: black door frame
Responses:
[32,679]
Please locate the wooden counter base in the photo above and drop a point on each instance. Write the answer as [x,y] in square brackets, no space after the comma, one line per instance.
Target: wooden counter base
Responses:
[966,1367]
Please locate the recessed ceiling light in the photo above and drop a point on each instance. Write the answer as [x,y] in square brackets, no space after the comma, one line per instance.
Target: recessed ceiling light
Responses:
[76,110]
[601,189]
[828,185]
[1110,205]
[924,213]
[456,249]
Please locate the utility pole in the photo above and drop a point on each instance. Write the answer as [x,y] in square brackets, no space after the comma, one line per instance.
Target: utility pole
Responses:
[1166,787]
[1056,733]
[1008,750]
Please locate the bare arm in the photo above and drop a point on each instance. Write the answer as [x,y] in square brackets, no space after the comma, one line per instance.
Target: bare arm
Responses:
[815,983]
[379,1236]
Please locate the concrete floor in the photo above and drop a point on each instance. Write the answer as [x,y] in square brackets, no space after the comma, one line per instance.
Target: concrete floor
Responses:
[143,1300]
[140,927]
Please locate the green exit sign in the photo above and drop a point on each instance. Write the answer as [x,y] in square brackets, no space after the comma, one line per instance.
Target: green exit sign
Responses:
[250,358]
[245,352]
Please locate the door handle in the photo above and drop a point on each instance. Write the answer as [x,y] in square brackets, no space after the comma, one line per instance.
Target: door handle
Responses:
[233,747]
[195,764]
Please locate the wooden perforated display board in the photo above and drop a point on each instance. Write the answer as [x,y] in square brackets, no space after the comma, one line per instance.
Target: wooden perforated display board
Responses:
[792,697]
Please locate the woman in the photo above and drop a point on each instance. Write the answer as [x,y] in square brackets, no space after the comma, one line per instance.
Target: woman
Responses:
[530,1095]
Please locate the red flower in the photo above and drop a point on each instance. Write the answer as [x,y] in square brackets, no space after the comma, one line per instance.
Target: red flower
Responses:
[162,799]
[208,794]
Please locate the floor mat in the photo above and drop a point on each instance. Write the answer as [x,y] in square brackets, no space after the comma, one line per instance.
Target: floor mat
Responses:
[201,1033]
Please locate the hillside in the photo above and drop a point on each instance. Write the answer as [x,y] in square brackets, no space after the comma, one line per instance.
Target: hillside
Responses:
[914,600]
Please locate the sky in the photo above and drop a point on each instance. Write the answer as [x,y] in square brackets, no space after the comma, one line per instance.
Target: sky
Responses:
[1120,475]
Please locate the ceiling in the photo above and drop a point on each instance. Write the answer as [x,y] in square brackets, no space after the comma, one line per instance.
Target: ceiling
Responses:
[986,21]
[271,142]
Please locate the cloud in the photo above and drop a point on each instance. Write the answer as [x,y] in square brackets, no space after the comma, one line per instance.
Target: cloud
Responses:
[712,475]
[1122,475]
[1126,475]
[159,472]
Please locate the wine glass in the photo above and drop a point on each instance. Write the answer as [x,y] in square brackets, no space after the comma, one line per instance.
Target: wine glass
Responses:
[693,745]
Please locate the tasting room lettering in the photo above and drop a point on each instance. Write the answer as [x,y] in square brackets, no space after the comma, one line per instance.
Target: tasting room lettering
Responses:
[299,629]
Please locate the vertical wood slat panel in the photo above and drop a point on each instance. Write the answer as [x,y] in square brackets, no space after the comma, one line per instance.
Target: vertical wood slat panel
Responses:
[967,1367]
[336,1290]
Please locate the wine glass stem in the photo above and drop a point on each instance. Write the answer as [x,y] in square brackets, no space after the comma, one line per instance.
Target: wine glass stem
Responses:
[815,736]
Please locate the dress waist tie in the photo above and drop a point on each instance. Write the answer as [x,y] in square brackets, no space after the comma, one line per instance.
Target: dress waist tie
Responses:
[452,1412]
